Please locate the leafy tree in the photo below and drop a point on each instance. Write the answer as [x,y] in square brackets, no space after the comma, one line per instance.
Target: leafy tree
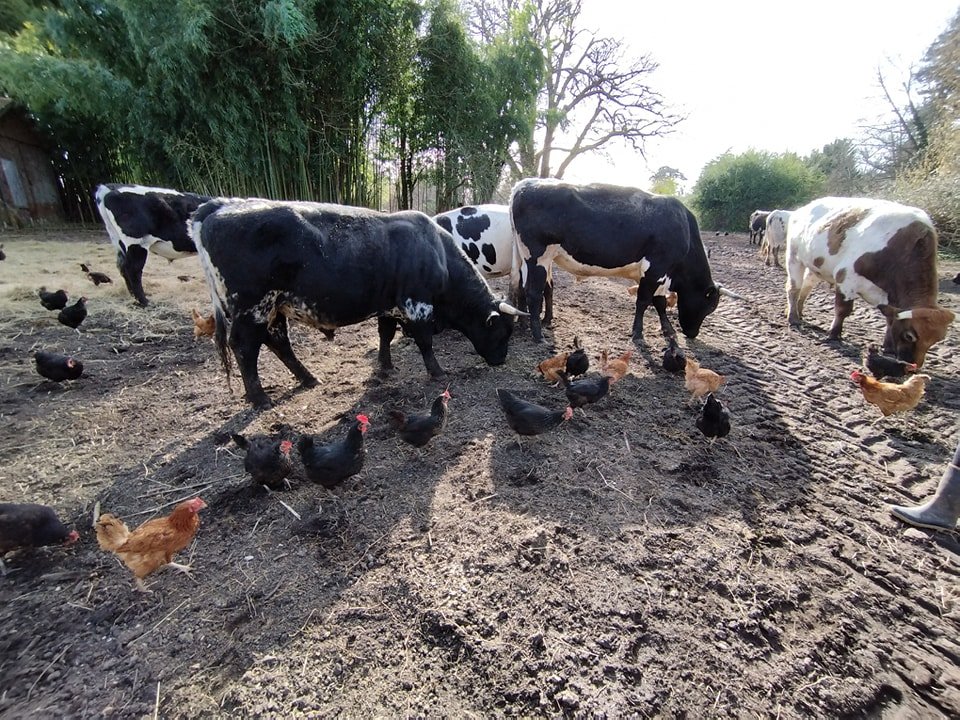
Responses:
[667,181]
[837,162]
[470,103]
[592,94]
[730,187]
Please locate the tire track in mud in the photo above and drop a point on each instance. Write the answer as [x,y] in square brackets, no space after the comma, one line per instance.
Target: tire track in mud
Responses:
[856,465]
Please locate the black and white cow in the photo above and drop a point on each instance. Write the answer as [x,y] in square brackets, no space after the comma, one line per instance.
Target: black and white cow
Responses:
[484,234]
[614,231]
[139,219]
[268,262]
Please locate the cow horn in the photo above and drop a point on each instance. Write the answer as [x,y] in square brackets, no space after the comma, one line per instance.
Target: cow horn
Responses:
[729,293]
[905,315]
[509,309]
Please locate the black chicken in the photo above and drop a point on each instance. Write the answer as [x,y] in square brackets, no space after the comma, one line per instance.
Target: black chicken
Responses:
[98,278]
[73,315]
[956,280]
[527,418]
[714,421]
[57,367]
[29,525]
[3,255]
[585,390]
[419,429]
[267,459]
[52,300]
[673,358]
[882,366]
[577,362]
[329,465]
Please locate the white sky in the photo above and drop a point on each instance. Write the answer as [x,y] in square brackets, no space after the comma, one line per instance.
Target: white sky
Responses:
[771,75]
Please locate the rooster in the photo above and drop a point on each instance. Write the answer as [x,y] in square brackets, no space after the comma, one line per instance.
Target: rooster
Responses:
[52,300]
[57,367]
[419,429]
[891,398]
[154,543]
[267,459]
[329,465]
[527,418]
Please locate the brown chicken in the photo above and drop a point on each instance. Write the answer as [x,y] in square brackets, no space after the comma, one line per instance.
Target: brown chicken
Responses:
[701,381]
[891,397]
[616,368]
[202,326]
[552,367]
[154,543]
[671,296]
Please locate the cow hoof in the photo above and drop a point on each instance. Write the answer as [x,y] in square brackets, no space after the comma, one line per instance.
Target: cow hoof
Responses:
[261,403]
[309,382]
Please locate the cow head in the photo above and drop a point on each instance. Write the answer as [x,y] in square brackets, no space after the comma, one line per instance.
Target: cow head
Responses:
[693,307]
[491,332]
[910,333]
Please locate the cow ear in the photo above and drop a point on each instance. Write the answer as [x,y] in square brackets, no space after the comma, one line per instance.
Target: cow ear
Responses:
[491,317]
[889,311]
[240,440]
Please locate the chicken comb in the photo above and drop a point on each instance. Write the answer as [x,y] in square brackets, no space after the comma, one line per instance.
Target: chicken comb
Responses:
[286,446]
[363,419]
[856,375]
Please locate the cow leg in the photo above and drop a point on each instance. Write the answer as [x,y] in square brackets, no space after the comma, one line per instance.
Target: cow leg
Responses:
[422,334]
[387,329]
[130,264]
[666,327]
[278,340]
[548,302]
[841,311]
[794,285]
[536,286]
[246,337]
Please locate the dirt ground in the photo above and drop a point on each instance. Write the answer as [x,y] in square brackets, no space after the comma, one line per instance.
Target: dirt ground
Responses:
[618,567]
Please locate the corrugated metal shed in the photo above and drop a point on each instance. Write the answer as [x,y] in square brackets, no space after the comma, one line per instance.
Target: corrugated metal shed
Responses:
[28,183]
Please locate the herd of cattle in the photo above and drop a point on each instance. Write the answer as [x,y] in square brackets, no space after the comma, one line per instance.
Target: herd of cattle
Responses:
[267,262]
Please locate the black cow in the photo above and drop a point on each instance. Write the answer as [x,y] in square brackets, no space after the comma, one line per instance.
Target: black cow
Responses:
[331,265]
[139,219]
[758,225]
[609,230]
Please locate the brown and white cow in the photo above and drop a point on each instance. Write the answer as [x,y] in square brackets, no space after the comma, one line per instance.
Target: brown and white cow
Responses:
[881,251]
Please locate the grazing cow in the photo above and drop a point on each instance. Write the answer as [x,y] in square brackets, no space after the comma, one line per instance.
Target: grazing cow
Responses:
[882,251]
[758,224]
[613,231]
[775,237]
[268,262]
[141,218]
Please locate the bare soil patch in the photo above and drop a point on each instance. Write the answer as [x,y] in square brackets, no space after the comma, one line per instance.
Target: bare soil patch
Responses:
[621,566]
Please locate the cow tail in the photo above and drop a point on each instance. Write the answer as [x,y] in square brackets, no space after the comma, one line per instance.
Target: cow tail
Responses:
[220,339]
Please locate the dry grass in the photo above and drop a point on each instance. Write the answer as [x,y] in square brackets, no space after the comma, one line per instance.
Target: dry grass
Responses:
[32,263]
